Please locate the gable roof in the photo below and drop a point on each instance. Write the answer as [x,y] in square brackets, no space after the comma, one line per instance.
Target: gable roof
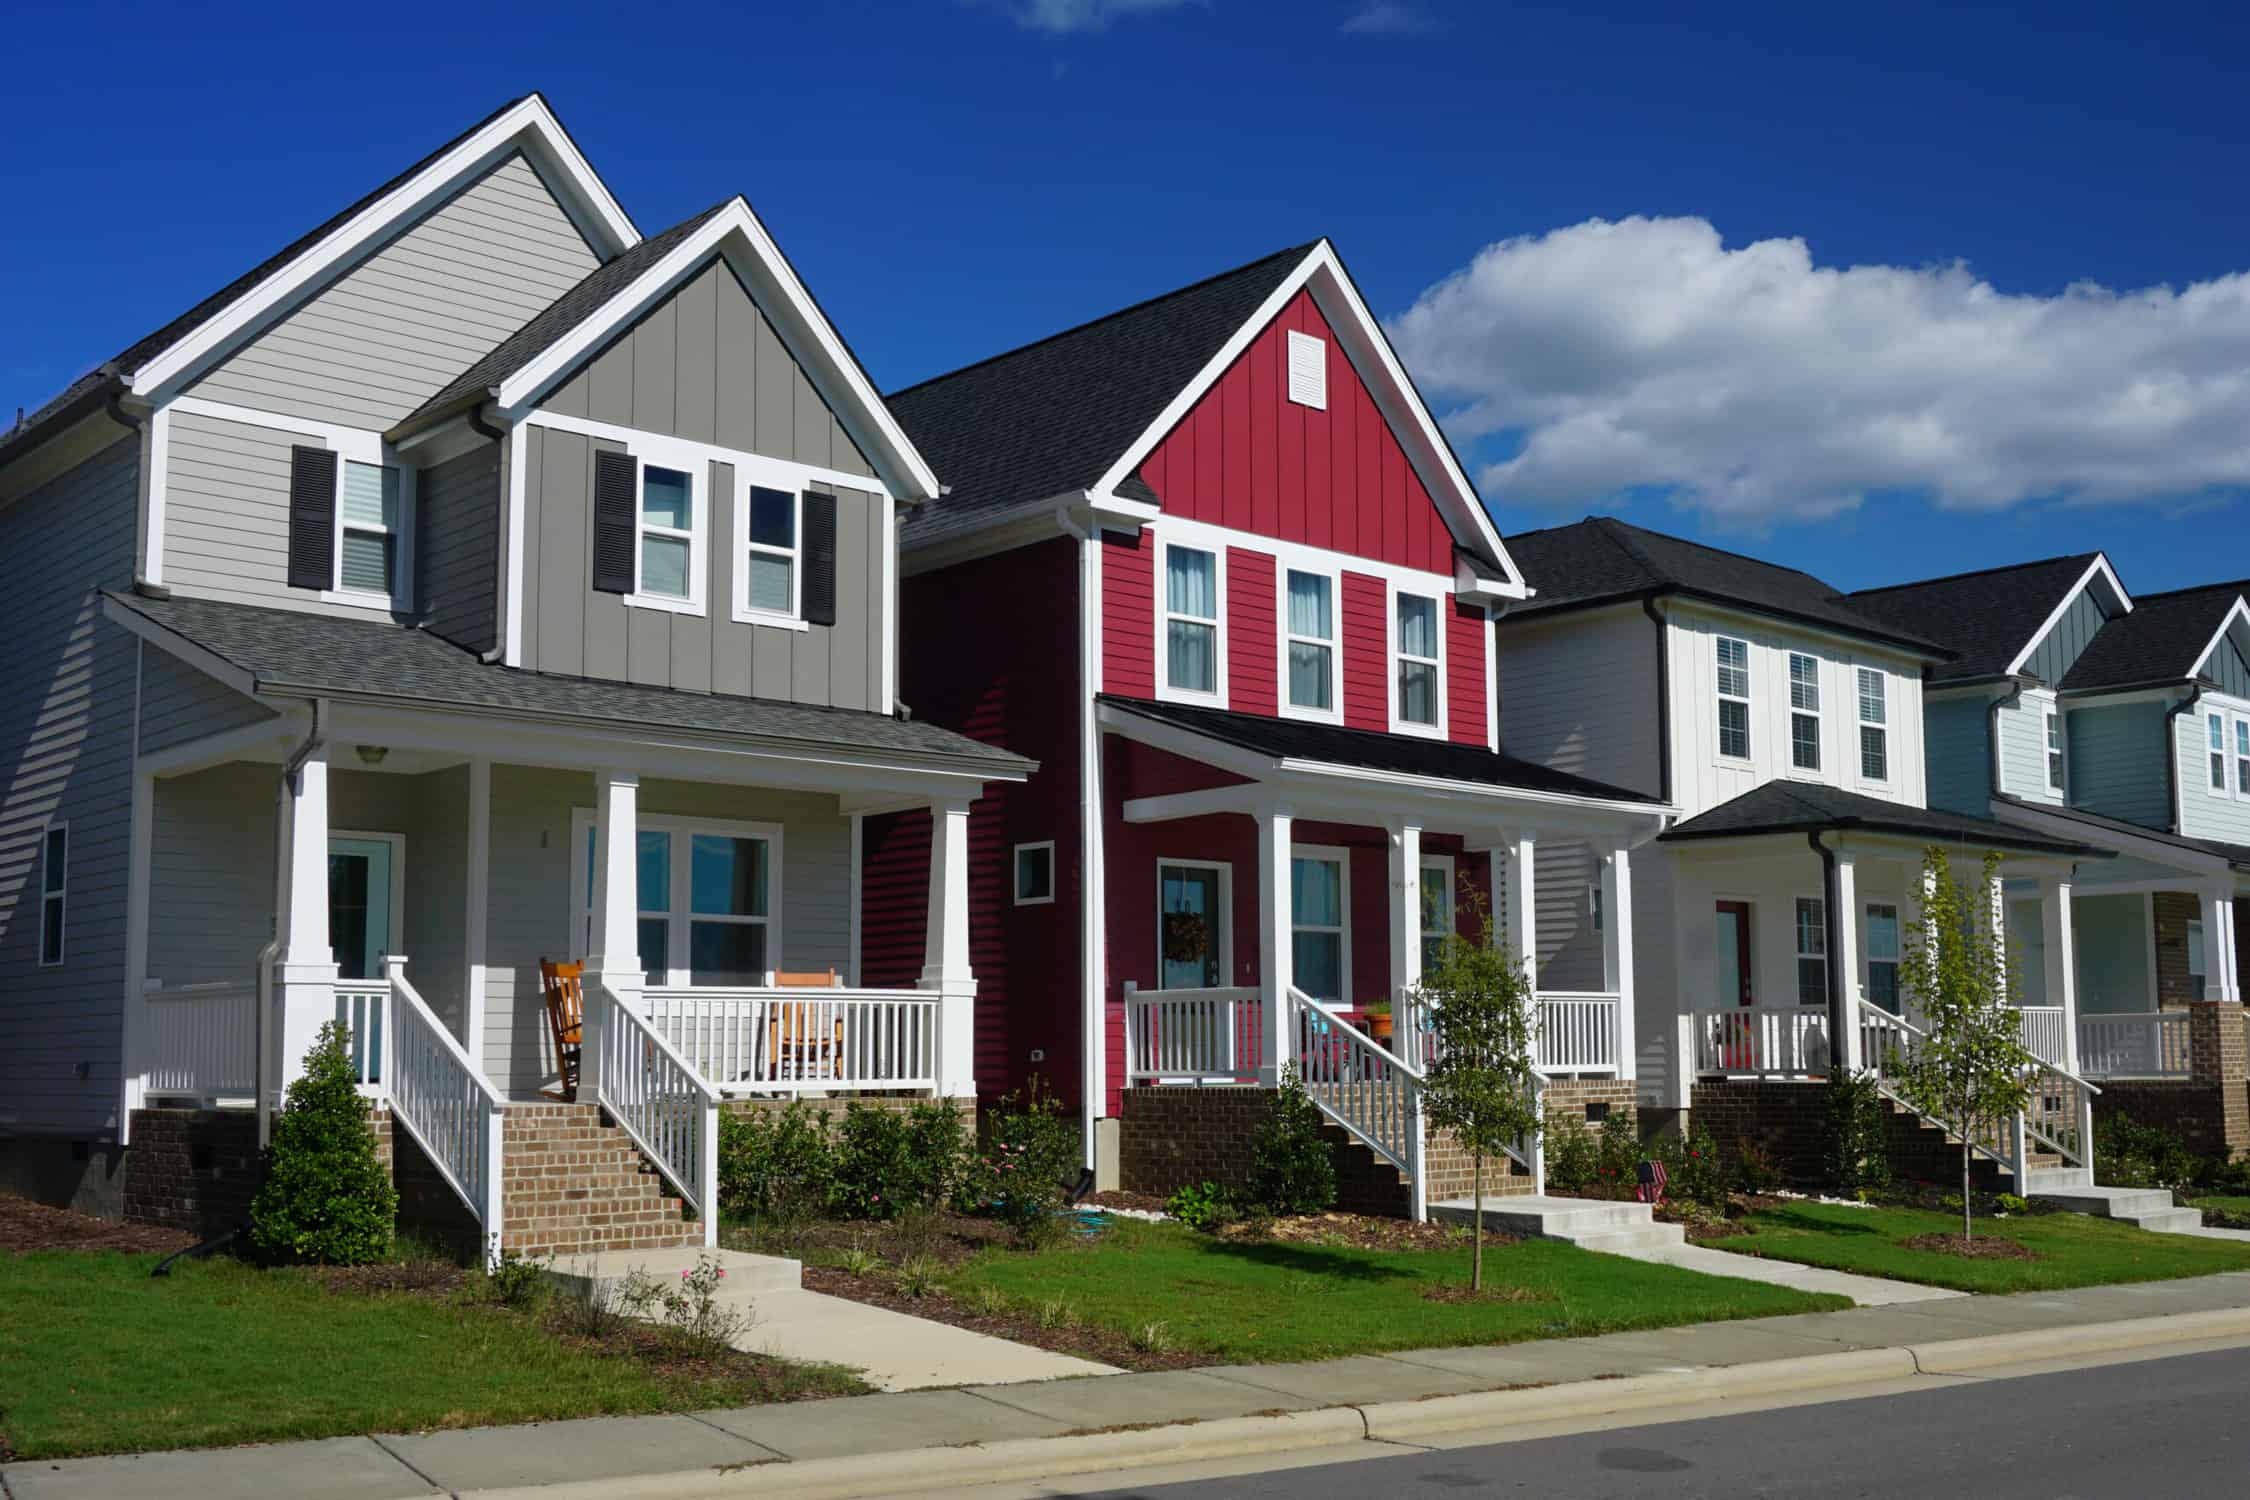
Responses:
[1602,560]
[1989,618]
[1811,807]
[2164,639]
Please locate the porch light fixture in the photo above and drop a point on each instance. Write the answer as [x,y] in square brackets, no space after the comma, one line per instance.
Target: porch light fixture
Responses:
[373,754]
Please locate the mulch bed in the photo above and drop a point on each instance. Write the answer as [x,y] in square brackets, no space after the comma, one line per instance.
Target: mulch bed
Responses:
[1148,1202]
[1357,1232]
[27,1226]
[1982,1248]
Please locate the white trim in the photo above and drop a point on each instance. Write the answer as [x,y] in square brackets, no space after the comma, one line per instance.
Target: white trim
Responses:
[887,694]
[1016,897]
[1165,691]
[2240,613]
[1798,955]
[1224,922]
[780,473]
[1342,858]
[680,915]
[395,940]
[512,647]
[400,599]
[857,921]
[2216,718]
[1299,555]
[677,458]
[478,914]
[204,660]
[60,895]
[1861,724]
[529,125]
[787,305]
[1491,680]
[1721,696]
[1790,658]
[1393,657]
[1284,638]
[2054,750]
[2099,568]
[2155,976]
[159,470]
[1093,934]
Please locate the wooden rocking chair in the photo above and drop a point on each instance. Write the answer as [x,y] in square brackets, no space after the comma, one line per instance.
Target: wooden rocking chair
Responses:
[799,1045]
[563,988]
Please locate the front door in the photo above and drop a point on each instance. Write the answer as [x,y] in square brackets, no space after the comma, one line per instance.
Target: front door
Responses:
[360,874]
[1189,918]
[1733,977]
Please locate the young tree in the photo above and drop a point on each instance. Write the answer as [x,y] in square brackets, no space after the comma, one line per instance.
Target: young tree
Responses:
[1482,1085]
[1971,1068]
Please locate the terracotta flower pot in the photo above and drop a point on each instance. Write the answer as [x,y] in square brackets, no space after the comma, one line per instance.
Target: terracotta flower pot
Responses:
[1379,1025]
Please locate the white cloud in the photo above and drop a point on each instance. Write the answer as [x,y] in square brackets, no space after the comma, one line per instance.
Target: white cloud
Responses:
[1062,17]
[1388,18]
[1756,386]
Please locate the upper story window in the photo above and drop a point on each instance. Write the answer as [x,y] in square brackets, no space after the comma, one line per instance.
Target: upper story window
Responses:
[1309,656]
[1812,951]
[1194,660]
[650,516]
[54,892]
[2054,751]
[2215,732]
[367,543]
[772,545]
[1308,370]
[1804,711]
[1734,697]
[1874,735]
[2242,756]
[1416,671]
[348,534]
[667,532]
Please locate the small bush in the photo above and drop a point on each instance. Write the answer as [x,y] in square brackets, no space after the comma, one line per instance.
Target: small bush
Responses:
[1291,1168]
[1204,1206]
[1855,1144]
[693,1315]
[1753,1169]
[2130,1154]
[326,1198]
[1695,1172]
[1033,1154]
[777,1166]
[874,1162]
[1573,1158]
[517,1280]
[593,1305]
[921,1276]
[1055,1312]
[2009,1203]
[1151,1338]
[859,1261]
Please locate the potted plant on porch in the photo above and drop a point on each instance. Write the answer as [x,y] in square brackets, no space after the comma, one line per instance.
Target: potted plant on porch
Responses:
[1379,1020]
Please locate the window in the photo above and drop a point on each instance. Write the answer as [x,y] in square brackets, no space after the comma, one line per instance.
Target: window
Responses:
[1035,874]
[1194,943]
[773,548]
[2215,728]
[1734,698]
[1308,370]
[1309,643]
[54,888]
[667,532]
[367,540]
[2054,751]
[1812,951]
[1316,919]
[1416,648]
[708,898]
[1804,711]
[1191,621]
[2242,756]
[1883,956]
[1874,738]
[2195,958]
[1437,908]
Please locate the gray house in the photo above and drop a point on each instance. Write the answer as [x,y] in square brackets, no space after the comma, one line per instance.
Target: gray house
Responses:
[475,582]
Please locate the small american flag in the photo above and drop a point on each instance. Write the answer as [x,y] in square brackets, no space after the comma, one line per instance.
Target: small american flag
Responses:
[1652,1179]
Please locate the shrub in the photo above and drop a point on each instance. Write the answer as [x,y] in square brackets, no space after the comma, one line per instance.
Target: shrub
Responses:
[1033,1154]
[1855,1143]
[2009,1203]
[1619,1152]
[326,1198]
[921,1276]
[2130,1154]
[516,1280]
[1754,1169]
[699,1324]
[775,1165]
[874,1163]
[1694,1169]
[1573,1159]
[1291,1168]
[1206,1206]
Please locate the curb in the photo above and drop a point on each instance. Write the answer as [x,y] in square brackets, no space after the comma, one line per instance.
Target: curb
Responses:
[906,1471]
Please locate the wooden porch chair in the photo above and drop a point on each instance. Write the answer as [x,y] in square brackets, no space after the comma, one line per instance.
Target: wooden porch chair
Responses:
[799,1044]
[562,986]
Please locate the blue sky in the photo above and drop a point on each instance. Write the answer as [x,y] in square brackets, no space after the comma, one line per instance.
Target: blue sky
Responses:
[954,178]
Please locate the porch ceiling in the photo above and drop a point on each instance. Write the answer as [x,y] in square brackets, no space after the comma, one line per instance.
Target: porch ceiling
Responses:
[1785,807]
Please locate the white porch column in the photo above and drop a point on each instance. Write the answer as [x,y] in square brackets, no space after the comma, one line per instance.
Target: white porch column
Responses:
[1276,941]
[1843,960]
[305,972]
[1406,908]
[1617,952]
[1523,904]
[945,951]
[2222,965]
[475,908]
[2060,957]
[613,961]
[137,1058]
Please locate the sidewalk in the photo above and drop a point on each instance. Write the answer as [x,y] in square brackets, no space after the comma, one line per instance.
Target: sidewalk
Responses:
[928,1439]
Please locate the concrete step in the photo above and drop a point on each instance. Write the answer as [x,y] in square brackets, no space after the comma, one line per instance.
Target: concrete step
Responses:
[1631,1241]
[2109,1202]
[2170,1220]
[747,1275]
[2057,1180]
[1550,1218]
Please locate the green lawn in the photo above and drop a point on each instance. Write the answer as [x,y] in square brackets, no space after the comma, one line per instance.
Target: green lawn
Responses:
[95,1357]
[2074,1249]
[1234,1301]
[2217,1206]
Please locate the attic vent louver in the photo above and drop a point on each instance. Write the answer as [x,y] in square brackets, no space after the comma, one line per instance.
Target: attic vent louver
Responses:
[1308,370]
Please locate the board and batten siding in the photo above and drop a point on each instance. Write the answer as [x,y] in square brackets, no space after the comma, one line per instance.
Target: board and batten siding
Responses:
[180,704]
[457,548]
[2061,646]
[389,333]
[2226,667]
[66,746]
[2116,765]
[1956,730]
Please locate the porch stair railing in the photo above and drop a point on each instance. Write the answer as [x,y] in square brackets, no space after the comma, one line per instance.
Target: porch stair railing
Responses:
[2058,1115]
[1363,1086]
[443,1100]
[659,1099]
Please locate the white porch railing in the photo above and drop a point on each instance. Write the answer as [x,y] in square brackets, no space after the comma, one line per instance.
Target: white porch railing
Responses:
[203,1041]
[1750,1041]
[669,1109]
[793,1041]
[446,1103]
[1362,1086]
[2152,1044]
[1193,1036]
[361,1005]
[2044,1032]
[2058,1111]
[1577,1032]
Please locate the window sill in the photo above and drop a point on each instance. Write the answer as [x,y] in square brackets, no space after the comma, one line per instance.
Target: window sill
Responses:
[1047,900]
[389,604]
[1166,694]
[1288,710]
[659,602]
[770,620]
[1419,731]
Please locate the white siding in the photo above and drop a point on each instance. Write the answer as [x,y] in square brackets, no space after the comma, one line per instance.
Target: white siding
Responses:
[2204,812]
[1579,694]
[2023,748]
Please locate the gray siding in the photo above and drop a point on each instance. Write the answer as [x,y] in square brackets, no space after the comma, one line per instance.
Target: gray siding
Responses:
[705,365]
[179,704]
[2116,765]
[211,874]
[1955,731]
[379,341]
[66,739]
[457,548]
[2227,668]
[2062,645]
[2023,750]
[2205,813]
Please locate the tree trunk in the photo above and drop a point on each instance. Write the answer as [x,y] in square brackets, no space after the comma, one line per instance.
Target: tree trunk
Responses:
[1476,1234]
[1965,1215]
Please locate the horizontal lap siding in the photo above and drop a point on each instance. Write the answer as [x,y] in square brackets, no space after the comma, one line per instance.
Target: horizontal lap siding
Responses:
[1366,647]
[66,739]
[2115,764]
[1253,662]
[179,704]
[213,871]
[1467,635]
[1128,615]
[1957,732]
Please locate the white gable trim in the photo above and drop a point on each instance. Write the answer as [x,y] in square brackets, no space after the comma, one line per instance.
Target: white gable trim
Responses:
[1395,397]
[2099,569]
[529,127]
[2238,615]
[735,232]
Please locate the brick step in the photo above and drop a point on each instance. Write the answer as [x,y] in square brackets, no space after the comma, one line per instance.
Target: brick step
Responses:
[575,1183]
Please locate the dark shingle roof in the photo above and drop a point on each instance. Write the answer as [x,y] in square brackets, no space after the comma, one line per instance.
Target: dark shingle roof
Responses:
[1053,416]
[554,322]
[2160,641]
[1602,560]
[2235,854]
[1805,807]
[288,651]
[1986,618]
[1405,754]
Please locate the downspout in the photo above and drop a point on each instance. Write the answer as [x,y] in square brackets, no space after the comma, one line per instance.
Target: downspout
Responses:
[315,737]
[1663,698]
[498,435]
[1836,1017]
[1992,734]
[2172,754]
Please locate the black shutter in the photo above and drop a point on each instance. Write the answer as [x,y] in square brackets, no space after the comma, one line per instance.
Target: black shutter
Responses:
[614,522]
[820,559]
[312,518]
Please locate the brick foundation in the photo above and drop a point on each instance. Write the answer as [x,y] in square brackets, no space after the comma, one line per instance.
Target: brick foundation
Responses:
[2209,1110]
[192,1169]
[1790,1121]
[574,1184]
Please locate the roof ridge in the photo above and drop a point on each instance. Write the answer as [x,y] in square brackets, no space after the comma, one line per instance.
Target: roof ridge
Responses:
[1688,541]
[1108,317]
[1611,530]
[2239,586]
[2037,562]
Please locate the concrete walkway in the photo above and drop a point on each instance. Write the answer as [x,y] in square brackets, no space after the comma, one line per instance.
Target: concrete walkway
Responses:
[918,1441]
[1867,1291]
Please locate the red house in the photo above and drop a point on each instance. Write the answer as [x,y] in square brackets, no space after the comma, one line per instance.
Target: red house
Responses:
[1210,562]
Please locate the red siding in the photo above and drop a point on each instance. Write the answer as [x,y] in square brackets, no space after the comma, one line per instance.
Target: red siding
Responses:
[1252,638]
[1247,457]
[1139,770]
[1467,635]
[1366,645]
[1128,616]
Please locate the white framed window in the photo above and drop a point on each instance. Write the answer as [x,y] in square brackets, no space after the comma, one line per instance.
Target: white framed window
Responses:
[2242,757]
[1883,952]
[1436,907]
[2195,958]
[1311,664]
[1308,370]
[1035,874]
[667,570]
[1417,663]
[773,575]
[1733,658]
[54,893]
[2054,751]
[1804,711]
[370,530]
[2215,736]
[1320,947]
[1812,951]
[1194,923]
[708,898]
[1874,731]
[1191,623]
